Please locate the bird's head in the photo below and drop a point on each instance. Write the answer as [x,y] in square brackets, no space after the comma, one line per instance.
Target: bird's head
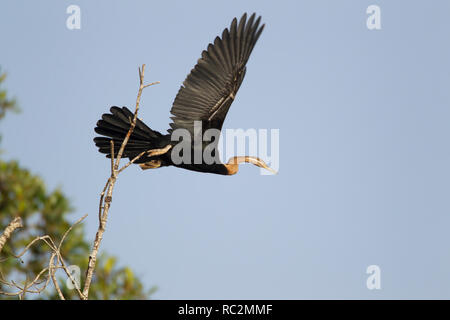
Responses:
[233,164]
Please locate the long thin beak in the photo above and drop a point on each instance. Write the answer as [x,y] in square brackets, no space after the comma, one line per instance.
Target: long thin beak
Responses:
[271,170]
[258,162]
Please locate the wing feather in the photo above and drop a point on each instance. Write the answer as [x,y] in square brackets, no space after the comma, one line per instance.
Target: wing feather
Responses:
[210,88]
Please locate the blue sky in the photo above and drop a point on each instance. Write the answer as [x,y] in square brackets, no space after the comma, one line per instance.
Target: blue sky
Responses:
[363,115]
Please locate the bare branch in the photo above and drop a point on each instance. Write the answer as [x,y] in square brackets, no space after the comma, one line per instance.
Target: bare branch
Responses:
[52,275]
[112,154]
[132,161]
[104,205]
[61,260]
[56,253]
[13,225]
[34,282]
[105,201]
[43,238]
[151,84]
[70,229]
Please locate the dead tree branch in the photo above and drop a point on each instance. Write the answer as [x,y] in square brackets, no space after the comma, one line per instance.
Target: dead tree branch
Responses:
[56,260]
[51,269]
[105,202]
[13,225]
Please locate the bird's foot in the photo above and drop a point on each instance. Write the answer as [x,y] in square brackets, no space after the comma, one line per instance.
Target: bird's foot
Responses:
[152,164]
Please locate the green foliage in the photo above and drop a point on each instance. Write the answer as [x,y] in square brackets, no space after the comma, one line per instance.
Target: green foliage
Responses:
[46,212]
[112,281]
[6,103]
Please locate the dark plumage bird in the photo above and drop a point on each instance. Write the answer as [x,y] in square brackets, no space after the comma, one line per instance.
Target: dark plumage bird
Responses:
[205,97]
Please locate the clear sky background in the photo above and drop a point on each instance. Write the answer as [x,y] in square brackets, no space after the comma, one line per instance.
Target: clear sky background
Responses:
[364,143]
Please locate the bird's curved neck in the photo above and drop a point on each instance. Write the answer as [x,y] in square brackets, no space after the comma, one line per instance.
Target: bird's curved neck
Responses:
[232,168]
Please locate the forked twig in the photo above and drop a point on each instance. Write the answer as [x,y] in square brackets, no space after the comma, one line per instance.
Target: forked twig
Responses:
[105,201]
[51,269]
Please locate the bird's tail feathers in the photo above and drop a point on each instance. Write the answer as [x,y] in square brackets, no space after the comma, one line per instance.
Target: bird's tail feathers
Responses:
[115,125]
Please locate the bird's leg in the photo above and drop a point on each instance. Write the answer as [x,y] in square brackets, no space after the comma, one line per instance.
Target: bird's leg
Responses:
[153,164]
[158,152]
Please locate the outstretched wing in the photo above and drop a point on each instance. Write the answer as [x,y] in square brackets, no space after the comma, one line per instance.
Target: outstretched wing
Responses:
[210,88]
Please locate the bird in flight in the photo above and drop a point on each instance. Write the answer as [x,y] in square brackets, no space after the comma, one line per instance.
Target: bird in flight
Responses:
[202,103]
